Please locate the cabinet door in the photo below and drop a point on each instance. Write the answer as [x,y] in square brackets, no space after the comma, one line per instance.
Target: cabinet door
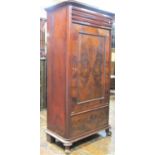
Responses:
[90,57]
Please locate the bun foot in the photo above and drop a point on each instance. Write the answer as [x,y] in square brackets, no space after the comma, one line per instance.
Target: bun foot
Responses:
[108,132]
[67,150]
[50,139]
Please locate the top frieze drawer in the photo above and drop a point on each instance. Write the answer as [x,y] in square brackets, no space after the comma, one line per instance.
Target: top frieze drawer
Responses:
[90,18]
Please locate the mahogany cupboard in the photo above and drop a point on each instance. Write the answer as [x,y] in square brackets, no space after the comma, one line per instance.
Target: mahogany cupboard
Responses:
[78,71]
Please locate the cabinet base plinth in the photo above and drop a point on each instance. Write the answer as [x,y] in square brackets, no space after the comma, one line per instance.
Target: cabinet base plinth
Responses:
[53,137]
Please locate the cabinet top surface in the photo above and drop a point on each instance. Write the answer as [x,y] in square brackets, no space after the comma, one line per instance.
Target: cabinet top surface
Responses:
[79,4]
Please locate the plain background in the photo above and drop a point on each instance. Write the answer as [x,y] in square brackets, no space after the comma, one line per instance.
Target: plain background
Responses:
[20,77]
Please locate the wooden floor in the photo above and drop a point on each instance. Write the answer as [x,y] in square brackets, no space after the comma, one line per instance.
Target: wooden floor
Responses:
[95,145]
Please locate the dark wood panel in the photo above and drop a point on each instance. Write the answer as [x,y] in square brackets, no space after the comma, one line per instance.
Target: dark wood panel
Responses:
[89,121]
[56,83]
[88,62]
[91,15]
[90,22]
[90,67]
[91,25]
[78,71]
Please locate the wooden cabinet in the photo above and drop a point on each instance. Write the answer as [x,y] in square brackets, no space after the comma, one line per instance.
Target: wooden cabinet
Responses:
[78,71]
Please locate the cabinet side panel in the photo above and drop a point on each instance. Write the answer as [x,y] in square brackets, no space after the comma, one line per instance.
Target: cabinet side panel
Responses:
[56,68]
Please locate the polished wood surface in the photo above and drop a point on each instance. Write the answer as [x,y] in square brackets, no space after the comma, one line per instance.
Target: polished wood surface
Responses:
[89,76]
[56,67]
[78,66]
[96,144]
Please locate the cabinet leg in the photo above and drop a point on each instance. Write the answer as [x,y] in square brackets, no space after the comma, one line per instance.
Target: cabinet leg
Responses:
[108,132]
[67,148]
[50,139]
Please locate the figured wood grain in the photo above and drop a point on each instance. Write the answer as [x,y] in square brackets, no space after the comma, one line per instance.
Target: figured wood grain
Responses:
[88,82]
[90,109]
[89,121]
[56,67]
[87,17]
[78,67]
[102,16]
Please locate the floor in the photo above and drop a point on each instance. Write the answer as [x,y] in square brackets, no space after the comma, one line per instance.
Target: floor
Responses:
[94,145]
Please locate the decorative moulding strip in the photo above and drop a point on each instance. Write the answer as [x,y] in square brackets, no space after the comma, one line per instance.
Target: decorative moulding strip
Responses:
[89,24]
[94,99]
[91,34]
[78,113]
[87,134]
[90,12]
[92,17]
[74,139]
[87,17]
[96,22]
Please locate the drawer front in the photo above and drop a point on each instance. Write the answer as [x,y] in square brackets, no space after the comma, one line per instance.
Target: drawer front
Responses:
[89,121]
[91,18]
